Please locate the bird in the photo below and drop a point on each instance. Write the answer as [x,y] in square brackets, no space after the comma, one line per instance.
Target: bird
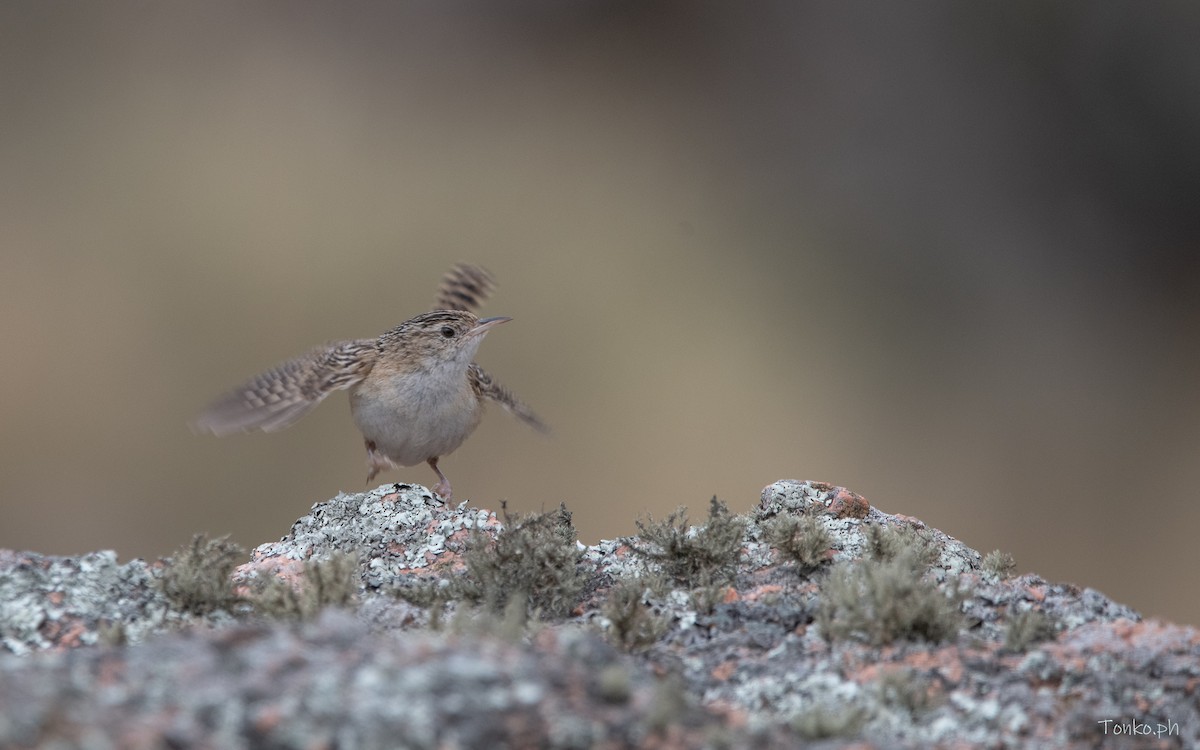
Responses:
[415,392]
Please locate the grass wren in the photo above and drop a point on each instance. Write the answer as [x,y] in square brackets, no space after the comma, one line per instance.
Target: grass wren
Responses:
[415,392]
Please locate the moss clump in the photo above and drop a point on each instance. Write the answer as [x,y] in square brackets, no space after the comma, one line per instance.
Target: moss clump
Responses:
[112,634]
[534,556]
[196,578]
[1027,628]
[511,624]
[824,722]
[803,540]
[532,566]
[427,592]
[634,626]
[888,543]
[670,705]
[327,582]
[614,685]
[694,557]
[886,598]
[999,564]
[905,689]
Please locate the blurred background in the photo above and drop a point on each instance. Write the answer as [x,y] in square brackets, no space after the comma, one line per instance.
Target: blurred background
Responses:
[942,254]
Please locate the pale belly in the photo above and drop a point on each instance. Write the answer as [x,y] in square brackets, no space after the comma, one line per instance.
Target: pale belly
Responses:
[412,419]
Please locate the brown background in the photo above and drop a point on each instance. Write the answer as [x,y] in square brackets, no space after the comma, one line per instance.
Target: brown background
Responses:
[942,254]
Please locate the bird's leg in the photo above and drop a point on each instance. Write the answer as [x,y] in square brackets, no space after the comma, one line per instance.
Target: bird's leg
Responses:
[375,461]
[442,488]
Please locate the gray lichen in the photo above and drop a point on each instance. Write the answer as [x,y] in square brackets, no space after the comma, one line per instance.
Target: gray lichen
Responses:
[789,623]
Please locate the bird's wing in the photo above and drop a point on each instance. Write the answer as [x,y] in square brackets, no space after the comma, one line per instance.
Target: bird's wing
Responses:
[485,386]
[278,397]
[464,287]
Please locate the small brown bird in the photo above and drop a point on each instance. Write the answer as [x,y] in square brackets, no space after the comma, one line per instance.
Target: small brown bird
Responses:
[415,392]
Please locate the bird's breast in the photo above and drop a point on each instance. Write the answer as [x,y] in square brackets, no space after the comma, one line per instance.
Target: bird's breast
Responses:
[413,417]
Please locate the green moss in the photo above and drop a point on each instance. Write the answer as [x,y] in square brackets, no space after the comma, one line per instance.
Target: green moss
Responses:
[514,619]
[802,540]
[886,598]
[473,619]
[888,543]
[669,706]
[704,599]
[112,633]
[531,566]
[999,564]
[196,578]
[424,591]
[613,685]
[905,689]
[1027,628]
[327,582]
[634,626]
[699,558]
[722,738]
[534,556]
[824,722]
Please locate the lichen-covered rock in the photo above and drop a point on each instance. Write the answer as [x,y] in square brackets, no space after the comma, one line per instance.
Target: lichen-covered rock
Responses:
[395,530]
[333,683]
[49,602]
[815,618]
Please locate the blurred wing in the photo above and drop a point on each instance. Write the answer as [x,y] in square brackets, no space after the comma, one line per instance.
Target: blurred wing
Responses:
[278,397]
[464,287]
[493,391]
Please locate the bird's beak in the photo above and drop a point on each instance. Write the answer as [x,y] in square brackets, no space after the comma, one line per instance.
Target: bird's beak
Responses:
[485,324]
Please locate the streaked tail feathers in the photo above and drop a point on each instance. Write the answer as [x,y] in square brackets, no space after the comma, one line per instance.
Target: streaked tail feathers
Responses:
[465,287]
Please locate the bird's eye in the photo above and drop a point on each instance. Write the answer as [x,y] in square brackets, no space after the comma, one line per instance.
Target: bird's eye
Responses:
[448,332]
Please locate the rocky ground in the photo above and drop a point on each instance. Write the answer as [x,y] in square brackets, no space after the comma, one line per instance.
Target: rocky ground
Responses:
[389,620]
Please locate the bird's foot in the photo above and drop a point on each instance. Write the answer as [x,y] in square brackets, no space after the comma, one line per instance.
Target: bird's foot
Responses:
[442,490]
[376,461]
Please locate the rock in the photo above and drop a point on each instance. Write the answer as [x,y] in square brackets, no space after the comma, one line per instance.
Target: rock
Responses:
[829,622]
